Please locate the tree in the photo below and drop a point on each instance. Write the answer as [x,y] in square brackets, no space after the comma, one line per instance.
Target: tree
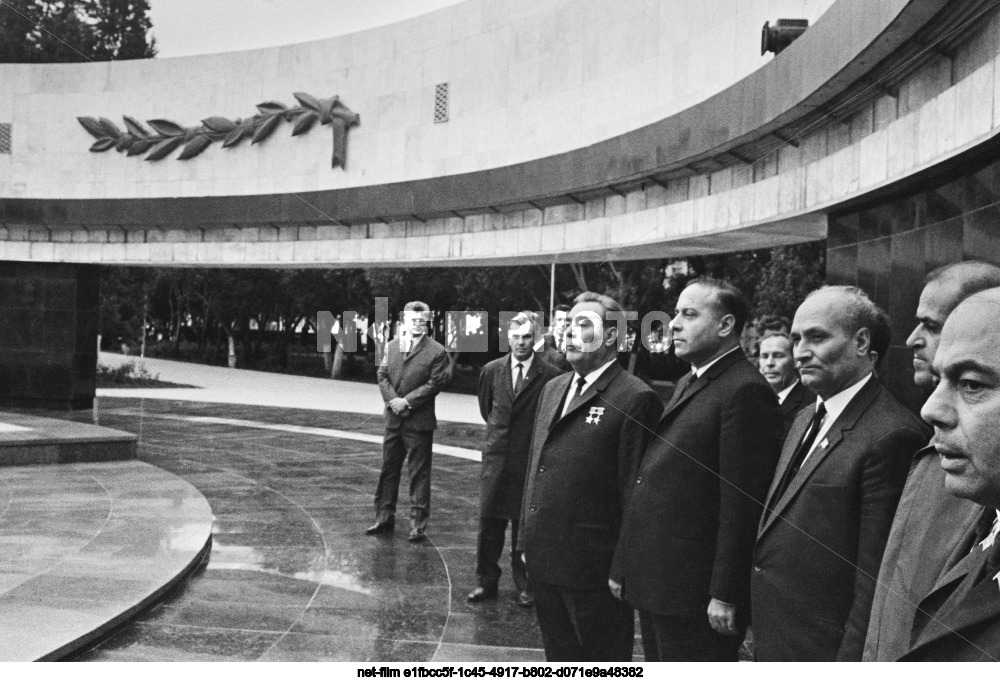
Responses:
[55,31]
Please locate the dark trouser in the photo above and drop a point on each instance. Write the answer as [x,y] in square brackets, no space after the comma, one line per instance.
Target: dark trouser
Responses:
[583,626]
[489,550]
[679,639]
[415,447]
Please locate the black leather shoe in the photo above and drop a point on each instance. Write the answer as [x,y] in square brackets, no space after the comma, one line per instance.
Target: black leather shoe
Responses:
[480,594]
[381,528]
[417,536]
[525,599]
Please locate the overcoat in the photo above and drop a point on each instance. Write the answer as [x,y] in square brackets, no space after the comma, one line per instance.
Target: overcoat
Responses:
[579,473]
[509,420]
[960,620]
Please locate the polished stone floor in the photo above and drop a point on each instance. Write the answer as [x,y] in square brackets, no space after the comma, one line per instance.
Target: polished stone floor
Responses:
[84,545]
[291,575]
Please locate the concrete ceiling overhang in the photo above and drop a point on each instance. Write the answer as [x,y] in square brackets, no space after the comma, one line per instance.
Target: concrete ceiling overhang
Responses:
[836,61]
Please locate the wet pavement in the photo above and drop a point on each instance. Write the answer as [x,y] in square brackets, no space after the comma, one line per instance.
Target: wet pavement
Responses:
[291,576]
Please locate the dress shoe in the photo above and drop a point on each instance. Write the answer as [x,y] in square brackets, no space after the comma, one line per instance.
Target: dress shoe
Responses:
[417,535]
[480,594]
[381,528]
[525,599]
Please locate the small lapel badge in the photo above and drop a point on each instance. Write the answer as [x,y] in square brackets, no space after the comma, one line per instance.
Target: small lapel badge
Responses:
[594,417]
[824,444]
[987,543]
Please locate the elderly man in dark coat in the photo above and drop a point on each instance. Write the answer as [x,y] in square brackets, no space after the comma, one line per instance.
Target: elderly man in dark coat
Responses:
[508,395]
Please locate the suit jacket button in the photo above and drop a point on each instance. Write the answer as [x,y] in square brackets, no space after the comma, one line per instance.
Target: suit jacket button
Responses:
[756,568]
[541,469]
[638,480]
[534,508]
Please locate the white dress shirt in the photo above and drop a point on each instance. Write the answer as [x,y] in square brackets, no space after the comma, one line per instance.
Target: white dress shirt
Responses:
[783,395]
[698,371]
[835,406]
[589,380]
[525,365]
[408,341]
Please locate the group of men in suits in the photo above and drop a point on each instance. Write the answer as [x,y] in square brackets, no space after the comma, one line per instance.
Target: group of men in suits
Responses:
[798,496]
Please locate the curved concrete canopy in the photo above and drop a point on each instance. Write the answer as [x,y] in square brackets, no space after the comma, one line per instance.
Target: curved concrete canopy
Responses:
[544,206]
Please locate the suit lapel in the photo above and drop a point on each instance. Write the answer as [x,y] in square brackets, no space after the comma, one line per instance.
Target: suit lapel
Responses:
[506,382]
[415,349]
[395,363]
[696,385]
[590,392]
[970,603]
[530,375]
[834,436]
[792,440]
[552,406]
[530,384]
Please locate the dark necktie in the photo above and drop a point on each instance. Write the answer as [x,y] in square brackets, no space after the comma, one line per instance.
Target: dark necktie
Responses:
[679,394]
[577,391]
[519,383]
[808,438]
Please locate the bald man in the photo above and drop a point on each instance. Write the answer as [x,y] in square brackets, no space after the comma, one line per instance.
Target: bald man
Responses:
[930,523]
[832,501]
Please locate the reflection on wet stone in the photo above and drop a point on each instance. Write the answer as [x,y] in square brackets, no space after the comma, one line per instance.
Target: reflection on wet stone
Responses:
[290,575]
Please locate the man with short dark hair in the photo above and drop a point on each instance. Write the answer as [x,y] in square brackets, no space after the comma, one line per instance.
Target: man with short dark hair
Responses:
[414,369]
[560,322]
[591,428]
[687,537]
[833,497]
[960,619]
[930,522]
[777,366]
[509,388]
[551,348]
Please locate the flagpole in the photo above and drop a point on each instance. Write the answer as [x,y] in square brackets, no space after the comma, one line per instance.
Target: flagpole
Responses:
[552,291]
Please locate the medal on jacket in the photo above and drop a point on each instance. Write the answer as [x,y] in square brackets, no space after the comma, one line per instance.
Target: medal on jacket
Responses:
[594,417]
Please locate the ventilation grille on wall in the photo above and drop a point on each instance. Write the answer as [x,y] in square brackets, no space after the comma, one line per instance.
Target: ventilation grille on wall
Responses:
[441,103]
[4,138]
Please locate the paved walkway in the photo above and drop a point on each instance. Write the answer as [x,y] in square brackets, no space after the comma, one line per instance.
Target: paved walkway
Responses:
[289,465]
[291,575]
[222,385]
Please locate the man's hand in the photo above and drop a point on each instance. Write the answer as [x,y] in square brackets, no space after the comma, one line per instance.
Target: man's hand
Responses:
[398,405]
[722,617]
[616,589]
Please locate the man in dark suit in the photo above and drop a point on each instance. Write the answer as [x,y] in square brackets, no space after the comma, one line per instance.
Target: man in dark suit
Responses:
[551,348]
[778,367]
[835,490]
[509,389]
[930,523]
[687,536]
[414,369]
[590,429]
[960,619]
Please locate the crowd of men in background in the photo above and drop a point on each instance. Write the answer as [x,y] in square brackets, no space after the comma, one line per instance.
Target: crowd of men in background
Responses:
[795,495]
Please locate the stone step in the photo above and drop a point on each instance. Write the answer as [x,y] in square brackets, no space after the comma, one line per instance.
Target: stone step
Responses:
[26,439]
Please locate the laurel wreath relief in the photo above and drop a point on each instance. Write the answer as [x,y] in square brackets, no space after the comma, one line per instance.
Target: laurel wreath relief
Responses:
[167,136]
